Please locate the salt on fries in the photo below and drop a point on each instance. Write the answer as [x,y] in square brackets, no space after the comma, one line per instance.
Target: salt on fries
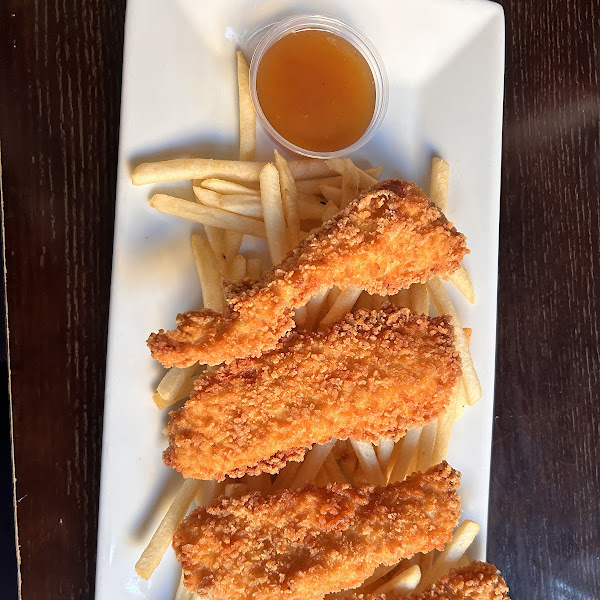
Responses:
[272,200]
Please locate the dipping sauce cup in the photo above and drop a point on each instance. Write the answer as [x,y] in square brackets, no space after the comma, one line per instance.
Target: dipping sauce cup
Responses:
[318,85]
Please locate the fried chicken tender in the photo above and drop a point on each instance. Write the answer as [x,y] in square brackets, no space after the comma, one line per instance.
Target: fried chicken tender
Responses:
[372,375]
[476,581]
[301,545]
[381,242]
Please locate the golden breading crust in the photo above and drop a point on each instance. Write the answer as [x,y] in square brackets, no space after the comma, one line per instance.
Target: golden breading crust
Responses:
[301,545]
[381,242]
[372,375]
[476,581]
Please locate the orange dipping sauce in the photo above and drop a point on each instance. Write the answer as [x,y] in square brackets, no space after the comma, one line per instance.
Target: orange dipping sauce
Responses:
[316,90]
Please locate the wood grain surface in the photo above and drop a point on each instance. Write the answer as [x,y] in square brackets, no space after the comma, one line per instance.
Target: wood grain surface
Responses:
[544,510]
[60,80]
[59,100]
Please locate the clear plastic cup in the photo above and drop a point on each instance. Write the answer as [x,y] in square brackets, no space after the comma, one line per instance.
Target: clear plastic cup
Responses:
[351,35]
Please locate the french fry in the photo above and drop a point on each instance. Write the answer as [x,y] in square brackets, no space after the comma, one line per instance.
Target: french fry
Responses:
[374,172]
[232,242]
[235,490]
[405,581]
[208,271]
[414,461]
[313,308]
[237,268]
[330,211]
[312,198]
[403,455]
[425,562]
[321,478]
[174,386]
[253,268]
[181,169]
[341,307]
[313,186]
[217,243]
[426,444]
[363,302]
[259,483]
[160,402]
[371,583]
[183,593]
[463,561]
[330,299]
[368,462]
[333,470]
[461,400]
[309,168]
[347,460]
[300,315]
[460,278]
[226,187]
[401,299]
[248,206]
[311,465]
[365,181]
[209,490]
[275,227]
[438,187]
[384,450]
[289,199]
[445,421]
[444,305]
[350,181]
[247,112]
[331,193]
[309,208]
[154,551]
[207,215]
[377,301]
[285,476]
[337,164]
[463,537]
[419,298]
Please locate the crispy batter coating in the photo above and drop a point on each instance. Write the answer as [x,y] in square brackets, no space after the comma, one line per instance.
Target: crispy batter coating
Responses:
[476,581]
[301,545]
[372,375]
[381,242]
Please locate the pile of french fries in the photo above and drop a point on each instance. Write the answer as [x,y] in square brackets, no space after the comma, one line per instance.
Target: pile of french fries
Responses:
[281,201]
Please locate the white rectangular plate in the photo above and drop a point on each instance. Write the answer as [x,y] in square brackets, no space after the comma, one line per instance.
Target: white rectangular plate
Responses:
[445,63]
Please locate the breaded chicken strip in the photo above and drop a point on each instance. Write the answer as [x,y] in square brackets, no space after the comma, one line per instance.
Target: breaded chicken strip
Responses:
[381,242]
[476,581]
[372,375]
[302,545]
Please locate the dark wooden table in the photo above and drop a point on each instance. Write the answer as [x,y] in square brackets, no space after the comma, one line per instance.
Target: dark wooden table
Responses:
[60,69]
